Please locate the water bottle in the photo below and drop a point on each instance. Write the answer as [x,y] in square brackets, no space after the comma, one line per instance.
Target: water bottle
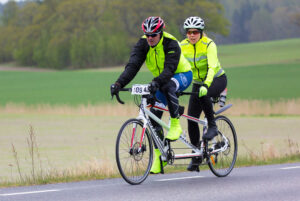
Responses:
[222,99]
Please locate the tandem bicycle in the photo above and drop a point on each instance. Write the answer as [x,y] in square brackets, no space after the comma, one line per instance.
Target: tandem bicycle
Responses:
[134,144]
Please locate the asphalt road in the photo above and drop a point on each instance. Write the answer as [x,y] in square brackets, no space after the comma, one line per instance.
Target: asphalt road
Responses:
[267,183]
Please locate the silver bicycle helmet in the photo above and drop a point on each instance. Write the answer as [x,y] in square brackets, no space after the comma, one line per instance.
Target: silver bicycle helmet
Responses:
[193,23]
[153,25]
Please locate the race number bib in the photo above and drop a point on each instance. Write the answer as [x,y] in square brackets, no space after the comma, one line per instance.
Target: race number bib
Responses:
[140,89]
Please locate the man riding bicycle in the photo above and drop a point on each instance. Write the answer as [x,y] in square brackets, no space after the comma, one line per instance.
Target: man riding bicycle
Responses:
[172,73]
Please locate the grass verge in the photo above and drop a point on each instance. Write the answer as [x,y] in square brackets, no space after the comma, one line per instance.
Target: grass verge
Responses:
[104,169]
[100,173]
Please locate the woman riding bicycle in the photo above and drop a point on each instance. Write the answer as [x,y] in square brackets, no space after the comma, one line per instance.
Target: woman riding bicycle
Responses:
[172,72]
[209,80]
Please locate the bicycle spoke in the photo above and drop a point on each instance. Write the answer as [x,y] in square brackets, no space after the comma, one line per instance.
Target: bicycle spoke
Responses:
[133,156]
[224,160]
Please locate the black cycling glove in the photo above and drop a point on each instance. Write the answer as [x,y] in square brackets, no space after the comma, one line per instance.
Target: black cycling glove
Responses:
[115,88]
[154,86]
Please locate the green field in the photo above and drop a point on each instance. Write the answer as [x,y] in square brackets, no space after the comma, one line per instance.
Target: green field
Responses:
[265,70]
[267,82]
[260,53]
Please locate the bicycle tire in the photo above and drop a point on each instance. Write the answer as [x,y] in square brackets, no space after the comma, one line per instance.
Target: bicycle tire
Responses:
[222,163]
[134,161]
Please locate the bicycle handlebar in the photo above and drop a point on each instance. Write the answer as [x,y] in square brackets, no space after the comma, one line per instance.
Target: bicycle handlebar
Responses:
[129,89]
[149,96]
[118,97]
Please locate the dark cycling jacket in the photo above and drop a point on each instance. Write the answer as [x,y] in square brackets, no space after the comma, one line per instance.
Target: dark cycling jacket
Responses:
[163,60]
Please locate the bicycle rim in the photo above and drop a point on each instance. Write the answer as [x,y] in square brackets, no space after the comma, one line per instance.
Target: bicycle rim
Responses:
[222,163]
[134,154]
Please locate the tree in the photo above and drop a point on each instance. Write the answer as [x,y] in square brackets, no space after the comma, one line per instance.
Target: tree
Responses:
[260,21]
[257,20]
[91,33]
[9,12]
[295,18]
[241,18]
[1,9]
[9,36]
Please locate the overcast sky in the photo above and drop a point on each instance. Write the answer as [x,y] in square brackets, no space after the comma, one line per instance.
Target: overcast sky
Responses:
[4,1]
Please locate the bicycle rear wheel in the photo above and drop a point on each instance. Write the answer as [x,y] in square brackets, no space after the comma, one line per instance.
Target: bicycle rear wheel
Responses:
[134,151]
[221,163]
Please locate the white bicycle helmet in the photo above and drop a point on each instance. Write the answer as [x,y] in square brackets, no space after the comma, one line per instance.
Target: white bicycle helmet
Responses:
[193,23]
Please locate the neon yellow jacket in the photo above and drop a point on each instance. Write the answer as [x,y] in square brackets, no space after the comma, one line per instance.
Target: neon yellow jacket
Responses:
[155,60]
[203,58]
[164,60]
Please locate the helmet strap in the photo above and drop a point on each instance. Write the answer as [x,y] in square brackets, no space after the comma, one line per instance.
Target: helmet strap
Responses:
[161,33]
[201,33]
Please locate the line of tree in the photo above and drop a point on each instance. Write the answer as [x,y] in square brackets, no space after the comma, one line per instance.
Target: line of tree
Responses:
[1,8]
[91,33]
[260,20]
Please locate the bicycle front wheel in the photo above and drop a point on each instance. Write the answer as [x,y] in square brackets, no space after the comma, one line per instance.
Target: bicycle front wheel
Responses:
[221,163]
[134,151]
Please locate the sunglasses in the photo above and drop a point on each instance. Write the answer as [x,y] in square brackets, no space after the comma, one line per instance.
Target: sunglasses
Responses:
[152,35]
[193,32]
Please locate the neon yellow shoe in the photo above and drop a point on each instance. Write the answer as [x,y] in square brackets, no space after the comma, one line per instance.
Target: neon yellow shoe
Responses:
[175,130]
[157,165]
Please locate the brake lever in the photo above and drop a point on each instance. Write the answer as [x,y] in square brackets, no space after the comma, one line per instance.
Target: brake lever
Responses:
[118,98]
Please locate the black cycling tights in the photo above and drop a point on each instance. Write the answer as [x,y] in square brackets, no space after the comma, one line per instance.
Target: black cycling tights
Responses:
[196,105]
[169,90]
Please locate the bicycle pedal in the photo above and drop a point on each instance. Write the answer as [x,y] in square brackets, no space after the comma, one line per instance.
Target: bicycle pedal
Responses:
[168,140]
[194,169]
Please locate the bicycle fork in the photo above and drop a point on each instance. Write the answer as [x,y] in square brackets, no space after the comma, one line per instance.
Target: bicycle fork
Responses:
[136,148]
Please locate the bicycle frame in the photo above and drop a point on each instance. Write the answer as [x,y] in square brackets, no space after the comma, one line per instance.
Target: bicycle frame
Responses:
[219,153]
[144,115]
[164,147]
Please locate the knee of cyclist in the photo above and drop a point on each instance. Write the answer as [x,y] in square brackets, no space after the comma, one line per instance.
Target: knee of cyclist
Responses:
[164,89]
[181,110]
[170,86]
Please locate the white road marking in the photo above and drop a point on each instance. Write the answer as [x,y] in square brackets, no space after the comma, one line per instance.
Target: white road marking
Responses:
[29,192]
[180,178]
[287,168]
[56,190]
